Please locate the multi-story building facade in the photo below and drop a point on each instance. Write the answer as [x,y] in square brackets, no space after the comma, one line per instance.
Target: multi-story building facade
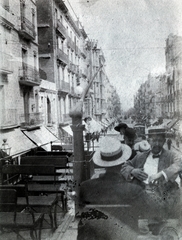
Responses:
[162,93]
[96,71]
[19,84]
[61,57]
[174,75]
[147,101]
[68,59]
[44,60]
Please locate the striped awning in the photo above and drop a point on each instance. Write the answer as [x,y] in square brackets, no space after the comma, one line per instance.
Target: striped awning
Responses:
[171,124]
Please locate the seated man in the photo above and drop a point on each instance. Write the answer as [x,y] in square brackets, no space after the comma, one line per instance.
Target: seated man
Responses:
[110,189]
[156,171]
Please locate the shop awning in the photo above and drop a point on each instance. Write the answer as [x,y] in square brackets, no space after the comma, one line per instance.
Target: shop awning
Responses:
[105,123]
[166,122]
[41,137]
[171,124]
[178,126]
[93,126]
[68,130]
[154,121]
[102,124]
[18,142]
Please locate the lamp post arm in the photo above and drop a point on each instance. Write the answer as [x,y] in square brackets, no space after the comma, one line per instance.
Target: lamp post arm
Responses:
[89,84]
[77,110]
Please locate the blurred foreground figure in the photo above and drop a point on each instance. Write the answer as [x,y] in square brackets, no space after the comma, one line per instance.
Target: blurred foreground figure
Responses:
[112,216]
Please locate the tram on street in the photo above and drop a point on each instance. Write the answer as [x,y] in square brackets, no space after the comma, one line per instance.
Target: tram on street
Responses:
[140,130]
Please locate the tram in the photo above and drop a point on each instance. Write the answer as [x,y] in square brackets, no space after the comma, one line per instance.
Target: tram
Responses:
[140,131]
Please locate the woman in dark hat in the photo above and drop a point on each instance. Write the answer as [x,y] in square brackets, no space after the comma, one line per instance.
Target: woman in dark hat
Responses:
[121,127]
[129,139]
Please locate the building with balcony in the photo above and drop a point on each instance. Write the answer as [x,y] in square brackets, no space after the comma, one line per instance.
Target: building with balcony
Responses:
[60,60]
[173,55]
[148,101]
[19,75]
[40,71]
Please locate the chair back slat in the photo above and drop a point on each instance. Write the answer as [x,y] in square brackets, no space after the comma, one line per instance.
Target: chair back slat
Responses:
[8,201]
[57,161]
[28,169]
[21,189]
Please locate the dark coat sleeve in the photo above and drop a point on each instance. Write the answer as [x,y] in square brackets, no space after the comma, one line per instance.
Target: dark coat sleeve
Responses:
[171,165]
[137,162]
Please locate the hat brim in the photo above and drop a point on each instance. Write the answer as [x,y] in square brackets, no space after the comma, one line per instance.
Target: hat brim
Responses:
[117,129]
[122,125]
[126,153]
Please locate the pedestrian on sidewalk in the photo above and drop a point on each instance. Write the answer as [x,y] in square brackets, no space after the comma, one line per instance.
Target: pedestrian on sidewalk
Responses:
[169,142]
[177,142]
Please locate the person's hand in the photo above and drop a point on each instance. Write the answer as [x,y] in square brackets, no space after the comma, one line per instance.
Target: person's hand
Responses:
[155,177]
[139,174]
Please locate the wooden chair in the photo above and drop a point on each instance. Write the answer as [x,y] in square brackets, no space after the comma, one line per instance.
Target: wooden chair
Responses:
[16,221]
[47,204]
[62,174]
[35,188]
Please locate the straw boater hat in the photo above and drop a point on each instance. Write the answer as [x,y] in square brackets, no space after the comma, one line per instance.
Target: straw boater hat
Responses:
[142,146]
[119,126]
[156,131]
[111,153]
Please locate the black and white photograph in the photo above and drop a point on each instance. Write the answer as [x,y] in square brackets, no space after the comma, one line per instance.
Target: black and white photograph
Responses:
[91,119]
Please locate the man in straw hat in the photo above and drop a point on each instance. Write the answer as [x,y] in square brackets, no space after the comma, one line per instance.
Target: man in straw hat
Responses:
[110,189]
[157,168]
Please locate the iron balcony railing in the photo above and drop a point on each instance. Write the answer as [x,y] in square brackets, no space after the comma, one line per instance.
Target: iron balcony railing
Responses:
[77,69]
[83,52]
[84,71]
[72,91]
[8,118]
[61,28]
[66,118]
[62,56]
[28,75]
[72,67]
[64,86]
[27,29]
[6,63]
[80,73]
[30,120]
[70,43]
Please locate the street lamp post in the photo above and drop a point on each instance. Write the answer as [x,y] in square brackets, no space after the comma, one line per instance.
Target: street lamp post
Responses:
[78,146]
[5,151]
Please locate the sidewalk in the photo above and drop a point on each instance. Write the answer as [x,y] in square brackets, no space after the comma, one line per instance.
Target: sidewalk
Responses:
[69,227]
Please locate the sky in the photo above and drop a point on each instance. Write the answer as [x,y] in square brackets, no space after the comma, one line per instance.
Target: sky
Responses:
[132,35]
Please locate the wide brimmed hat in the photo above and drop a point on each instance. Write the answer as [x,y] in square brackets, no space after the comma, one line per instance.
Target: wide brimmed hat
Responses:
[130,133]
[142,146]
[111,153]
[156,131]
[119,126]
